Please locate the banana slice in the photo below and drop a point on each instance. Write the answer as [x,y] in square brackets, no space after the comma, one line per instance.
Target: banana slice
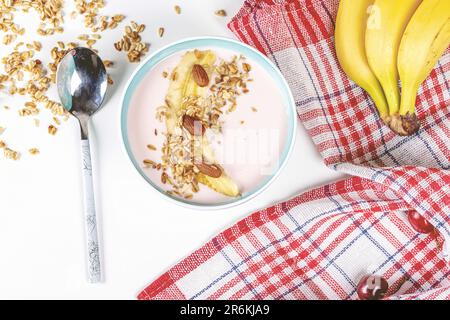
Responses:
[183,85]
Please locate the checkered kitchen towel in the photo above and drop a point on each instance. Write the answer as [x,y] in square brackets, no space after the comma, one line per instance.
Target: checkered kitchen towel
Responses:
[320,244]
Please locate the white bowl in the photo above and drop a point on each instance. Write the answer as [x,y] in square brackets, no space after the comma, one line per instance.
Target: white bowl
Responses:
[272,71]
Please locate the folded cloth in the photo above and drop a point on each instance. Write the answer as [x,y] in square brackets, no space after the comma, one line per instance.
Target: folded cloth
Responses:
[320,244]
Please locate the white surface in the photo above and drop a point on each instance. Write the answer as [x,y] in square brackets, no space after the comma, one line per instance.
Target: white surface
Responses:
[41,217]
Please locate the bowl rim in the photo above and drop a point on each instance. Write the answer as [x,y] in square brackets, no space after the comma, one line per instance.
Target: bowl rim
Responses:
[265,184]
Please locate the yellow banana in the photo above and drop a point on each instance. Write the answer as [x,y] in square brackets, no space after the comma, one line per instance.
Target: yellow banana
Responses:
[385,26]
[350,49]
[426,38]
[181,86]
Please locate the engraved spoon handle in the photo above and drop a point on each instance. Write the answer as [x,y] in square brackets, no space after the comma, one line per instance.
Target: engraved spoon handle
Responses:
[92,245]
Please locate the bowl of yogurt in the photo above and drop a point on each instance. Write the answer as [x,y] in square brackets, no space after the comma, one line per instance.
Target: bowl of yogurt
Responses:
[208,122]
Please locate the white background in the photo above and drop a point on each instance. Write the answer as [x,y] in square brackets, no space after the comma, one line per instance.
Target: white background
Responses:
[41,230]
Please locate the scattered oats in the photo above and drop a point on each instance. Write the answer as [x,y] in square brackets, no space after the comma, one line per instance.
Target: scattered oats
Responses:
[242,122]
[156,132]
[52,130]
[161,32]
[8,39]
[177,9]
[23,75]
[56,121]
[165,74]
[151,147]
[30,109]
[118,18]
[34,151]
[37,122]
[131,42]
[221,13]
[112,24]
[71,45]
[118,46]
[2,144]
[141,28]
[90,43]
[254,109]
[108,63]
[134,25]
[37,45]
[11,154]
[90,11]
[110,80]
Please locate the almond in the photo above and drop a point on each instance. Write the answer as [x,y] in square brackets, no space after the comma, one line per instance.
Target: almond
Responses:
[200,75]
[193,125]
[211,170]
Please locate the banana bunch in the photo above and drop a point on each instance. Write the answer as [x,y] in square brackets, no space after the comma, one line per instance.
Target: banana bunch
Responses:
[379,42]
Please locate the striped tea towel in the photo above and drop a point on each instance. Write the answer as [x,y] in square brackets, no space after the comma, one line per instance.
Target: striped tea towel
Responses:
[321,243]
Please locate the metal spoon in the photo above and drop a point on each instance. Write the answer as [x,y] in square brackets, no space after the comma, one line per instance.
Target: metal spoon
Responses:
[82,83]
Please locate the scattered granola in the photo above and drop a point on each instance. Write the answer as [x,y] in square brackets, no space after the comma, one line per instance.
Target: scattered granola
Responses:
[26,76]
[131,42]
[89,10]
[52,130]
[161,32]
[108,63]
[221,13]
[49,11]
[151,147]
[56,121]
[177,9]
[34,151]
[11,154]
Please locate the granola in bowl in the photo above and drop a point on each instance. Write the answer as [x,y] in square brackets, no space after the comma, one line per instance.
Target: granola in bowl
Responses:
[207,125]
[202,88]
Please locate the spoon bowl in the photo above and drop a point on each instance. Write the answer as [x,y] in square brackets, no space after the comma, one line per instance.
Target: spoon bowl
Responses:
[82,82]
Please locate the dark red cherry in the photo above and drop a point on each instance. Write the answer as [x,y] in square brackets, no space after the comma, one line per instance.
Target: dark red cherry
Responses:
[372,288]
[419,223]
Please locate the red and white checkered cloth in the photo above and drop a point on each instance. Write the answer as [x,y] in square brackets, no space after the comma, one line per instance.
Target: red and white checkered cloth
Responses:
[320,244]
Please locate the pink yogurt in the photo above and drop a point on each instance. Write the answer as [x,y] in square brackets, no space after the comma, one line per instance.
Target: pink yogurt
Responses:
[252,142]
